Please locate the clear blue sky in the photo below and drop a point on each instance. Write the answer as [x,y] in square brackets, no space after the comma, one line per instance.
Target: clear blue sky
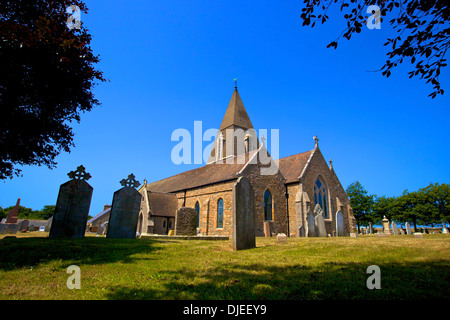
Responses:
[171,63]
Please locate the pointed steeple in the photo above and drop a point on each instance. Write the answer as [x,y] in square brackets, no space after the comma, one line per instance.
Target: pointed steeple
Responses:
[235,122]
[236,115]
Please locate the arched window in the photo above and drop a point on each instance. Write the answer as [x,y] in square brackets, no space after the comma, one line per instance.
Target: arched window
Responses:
[220,213]
[267,205]
[197,209]
[320,196]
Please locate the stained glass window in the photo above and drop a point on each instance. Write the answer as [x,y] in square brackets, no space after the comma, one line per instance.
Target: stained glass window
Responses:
[197,209]
[220,213]
[267,205]
[320,196]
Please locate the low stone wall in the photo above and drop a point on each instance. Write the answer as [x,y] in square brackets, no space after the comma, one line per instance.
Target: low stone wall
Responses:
[154,236]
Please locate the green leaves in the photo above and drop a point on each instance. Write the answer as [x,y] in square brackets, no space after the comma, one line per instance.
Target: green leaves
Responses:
[422,28]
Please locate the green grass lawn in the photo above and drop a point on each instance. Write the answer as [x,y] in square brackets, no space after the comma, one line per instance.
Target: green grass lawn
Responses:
[32,266]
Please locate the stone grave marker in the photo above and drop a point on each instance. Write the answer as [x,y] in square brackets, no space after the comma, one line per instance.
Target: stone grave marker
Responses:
[244,235]
[319,222]
[72,206]
[13,213]
[339,224]
[125,208]
[186,222]
[387,229]
[267,232]
[394,228]
[310,224]
[408,228]
[281,238]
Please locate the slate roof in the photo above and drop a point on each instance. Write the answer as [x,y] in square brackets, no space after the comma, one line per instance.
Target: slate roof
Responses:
[211,173]
[236,114]
[291,167]
[163,204]
[99,215]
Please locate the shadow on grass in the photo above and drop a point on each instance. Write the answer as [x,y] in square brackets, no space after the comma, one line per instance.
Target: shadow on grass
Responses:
[296,282]
[24,252]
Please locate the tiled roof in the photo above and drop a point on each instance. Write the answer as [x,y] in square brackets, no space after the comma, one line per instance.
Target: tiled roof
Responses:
[291,167]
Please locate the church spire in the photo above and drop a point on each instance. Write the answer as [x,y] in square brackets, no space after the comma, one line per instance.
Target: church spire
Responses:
[236,115]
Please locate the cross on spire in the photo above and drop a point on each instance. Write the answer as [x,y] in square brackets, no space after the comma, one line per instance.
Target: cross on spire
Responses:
[263,139]
[235,83]
[79,174]
[130,182]
[316,141]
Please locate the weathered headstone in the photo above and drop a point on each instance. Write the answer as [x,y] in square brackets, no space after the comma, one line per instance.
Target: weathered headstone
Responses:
[72,206]
[444,229]
[186,222]
[339,224]
[408,228]
[310,224]
[267,232]
[394,228]
[353,235]
[281,238]
[319,222]
[370,228]
[402,232]
[301,231]
[13,213]
[418,235]
[244,235]
[125,208]
[387,229]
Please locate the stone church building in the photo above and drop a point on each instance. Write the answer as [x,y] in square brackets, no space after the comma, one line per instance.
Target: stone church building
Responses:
[282,196]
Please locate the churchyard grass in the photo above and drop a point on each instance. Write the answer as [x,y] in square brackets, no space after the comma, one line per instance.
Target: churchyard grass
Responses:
[33,266]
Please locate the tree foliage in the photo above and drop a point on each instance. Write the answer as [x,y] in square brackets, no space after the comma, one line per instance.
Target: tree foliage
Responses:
[423,31]
[361,203]
[27,213]
[46,79]
[426,206]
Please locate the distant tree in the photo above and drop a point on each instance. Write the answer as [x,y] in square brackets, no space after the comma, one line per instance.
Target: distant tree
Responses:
[46,212]
[423,31]
[382,206]
[46,78]
[361,203]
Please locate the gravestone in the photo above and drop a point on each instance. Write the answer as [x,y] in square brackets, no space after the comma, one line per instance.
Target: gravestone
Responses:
[24,225]
[418,235]
[267,232]
[319,222]
[301,231]
[13,213]
[394,228]
[444,229]
[244,236]
[339,224]
[281,238]
[186,222]
[370,228]
[310,224]
[123,218]
[353,235]
[387,229]
[72,206]
[408,228]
